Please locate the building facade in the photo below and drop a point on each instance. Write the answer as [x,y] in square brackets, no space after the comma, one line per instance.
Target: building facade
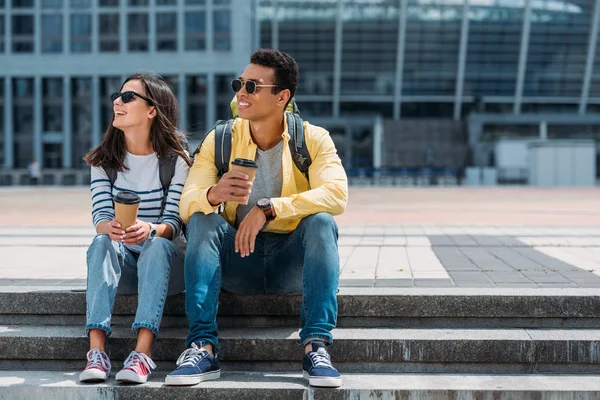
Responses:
[359,59]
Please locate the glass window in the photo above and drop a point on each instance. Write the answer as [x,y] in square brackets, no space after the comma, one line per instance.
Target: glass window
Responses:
[196,105]
[166,32]
[108,86]
[431,52]
[52,4]
[22,34]
[1,3]
[109,3]
[81,3]
[22,3]
[195,29]
[368,49]
[222,27]
[81,33]
[310,41]
[137,3]
[595,83]
[222,2]
[557,48]
[109,32]
[223,95]
[52,33]
[1,122]
[195,2]
[137,29]
[2,33]
[52,100]
[81,117]
[166,2]
[22,94]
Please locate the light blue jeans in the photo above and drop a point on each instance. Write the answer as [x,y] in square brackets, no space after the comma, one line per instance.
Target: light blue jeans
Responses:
[114,269]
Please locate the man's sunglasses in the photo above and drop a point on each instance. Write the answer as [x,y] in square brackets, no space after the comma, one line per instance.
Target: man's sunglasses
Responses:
[126,97]
[238,84]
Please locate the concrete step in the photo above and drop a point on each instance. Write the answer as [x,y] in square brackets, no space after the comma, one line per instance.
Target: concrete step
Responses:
[358,307]
[354,350]
[52,385]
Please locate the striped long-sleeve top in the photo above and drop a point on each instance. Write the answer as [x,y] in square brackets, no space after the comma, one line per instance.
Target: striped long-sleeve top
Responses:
[142,178]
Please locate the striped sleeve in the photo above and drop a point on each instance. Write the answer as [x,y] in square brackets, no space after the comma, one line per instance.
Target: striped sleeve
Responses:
[171,213]
[102,205]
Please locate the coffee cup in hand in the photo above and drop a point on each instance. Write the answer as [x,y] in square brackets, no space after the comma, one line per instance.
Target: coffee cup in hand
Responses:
[126,208]
[245,166]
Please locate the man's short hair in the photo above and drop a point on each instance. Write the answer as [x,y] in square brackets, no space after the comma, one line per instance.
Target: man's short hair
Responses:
[286,68]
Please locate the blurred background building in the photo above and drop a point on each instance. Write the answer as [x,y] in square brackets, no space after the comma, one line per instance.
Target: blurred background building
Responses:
[400,84]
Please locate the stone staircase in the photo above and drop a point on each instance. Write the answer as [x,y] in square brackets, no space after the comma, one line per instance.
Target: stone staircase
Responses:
[390,343]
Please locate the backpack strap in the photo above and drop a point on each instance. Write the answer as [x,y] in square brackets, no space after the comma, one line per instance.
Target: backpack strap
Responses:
[297,143]
[223,133]
[223,130]
[166,172]
[111,173]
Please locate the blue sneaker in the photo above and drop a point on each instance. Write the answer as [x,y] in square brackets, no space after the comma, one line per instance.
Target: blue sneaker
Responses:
[317,368]
[194,365]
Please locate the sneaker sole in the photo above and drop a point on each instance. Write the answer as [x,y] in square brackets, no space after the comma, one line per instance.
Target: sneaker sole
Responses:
[131,377]
[93,375]
[322,382]
[188,380]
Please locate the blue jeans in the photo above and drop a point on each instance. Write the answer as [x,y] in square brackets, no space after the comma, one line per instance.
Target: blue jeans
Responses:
[112,268]
[303,262]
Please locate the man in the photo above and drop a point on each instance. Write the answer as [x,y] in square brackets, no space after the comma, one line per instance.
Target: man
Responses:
[288,245]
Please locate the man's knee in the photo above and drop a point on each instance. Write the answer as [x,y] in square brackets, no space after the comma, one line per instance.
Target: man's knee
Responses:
[318,223]
[201,222]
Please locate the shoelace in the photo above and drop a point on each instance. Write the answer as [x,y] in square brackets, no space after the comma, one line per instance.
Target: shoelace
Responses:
[141,357]
[192,356]
[97,360]
[321,358]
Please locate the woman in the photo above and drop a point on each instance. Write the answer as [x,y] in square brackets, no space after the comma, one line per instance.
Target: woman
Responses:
[143,258]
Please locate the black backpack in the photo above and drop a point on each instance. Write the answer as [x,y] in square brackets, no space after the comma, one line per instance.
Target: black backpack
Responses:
[166,171]
[223,130]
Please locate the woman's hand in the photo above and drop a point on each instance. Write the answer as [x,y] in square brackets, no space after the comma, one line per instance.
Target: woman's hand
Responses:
[137,233]
[112,229]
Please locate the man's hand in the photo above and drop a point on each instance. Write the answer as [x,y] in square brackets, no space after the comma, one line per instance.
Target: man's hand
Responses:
[137,232]
[249,228]
[233,186]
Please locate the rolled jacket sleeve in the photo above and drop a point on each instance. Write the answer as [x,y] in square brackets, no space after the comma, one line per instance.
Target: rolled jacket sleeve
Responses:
[202,176]
[327,178]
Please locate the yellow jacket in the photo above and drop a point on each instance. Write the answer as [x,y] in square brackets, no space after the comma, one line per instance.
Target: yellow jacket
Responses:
[328,190]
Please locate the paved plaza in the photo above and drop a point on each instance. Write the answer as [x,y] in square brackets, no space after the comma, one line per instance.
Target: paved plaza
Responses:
[389,237]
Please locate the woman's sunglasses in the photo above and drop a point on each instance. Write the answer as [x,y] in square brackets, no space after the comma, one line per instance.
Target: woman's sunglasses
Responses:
[238,84]
[126,97]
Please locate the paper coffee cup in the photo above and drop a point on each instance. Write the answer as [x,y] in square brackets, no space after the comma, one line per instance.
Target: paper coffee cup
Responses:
[246,166]
[126,208]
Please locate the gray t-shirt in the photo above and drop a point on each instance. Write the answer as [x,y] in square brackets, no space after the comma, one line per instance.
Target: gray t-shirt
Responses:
[268,180]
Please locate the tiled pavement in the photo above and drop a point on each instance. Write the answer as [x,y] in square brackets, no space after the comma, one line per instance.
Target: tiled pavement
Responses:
[370,256]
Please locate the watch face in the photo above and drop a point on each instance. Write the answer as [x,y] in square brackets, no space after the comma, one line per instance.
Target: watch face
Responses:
[263,202]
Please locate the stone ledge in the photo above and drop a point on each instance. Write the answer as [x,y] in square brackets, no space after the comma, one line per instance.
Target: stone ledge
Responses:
[20,385]
[397,303]
[361,346]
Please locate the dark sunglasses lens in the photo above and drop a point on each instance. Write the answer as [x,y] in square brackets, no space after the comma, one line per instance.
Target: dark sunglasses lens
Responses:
[127,97]
[236,85]
[250,87]
[114,96]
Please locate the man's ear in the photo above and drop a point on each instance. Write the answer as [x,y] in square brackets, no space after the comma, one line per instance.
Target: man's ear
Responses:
[283,97]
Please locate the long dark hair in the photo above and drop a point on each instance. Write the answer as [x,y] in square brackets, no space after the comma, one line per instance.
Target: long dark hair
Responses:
[165,138]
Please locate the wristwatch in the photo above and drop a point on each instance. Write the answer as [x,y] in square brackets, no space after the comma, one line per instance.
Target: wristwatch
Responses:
[267,208]
[152,233]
